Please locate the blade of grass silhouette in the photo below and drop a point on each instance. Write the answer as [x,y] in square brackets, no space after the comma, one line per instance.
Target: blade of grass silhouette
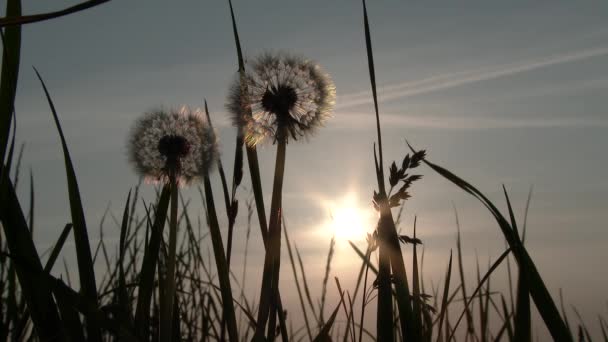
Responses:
[306,288]
[11,53]
[330,255]
[9,158]
[523,325]
[19,158]
[508,325]
[149,264]
[220,260]
[57,248]
[36,291]
[388,237]
[27,19]
[582,324]
[469,315]
[416,299]
[538,290]
[32,202]
[83,250]
[384,329]
[122,289]
[565,317]
[479,286]
[229,199]
[525,226]
[325,330]
[295,276]
[366,263]
[444,301]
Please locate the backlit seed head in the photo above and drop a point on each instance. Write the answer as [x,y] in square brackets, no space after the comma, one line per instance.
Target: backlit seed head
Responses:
[280,97]
[172,142]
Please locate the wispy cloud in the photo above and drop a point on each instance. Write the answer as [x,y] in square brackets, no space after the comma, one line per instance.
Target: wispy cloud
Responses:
[366,120]
[427,85]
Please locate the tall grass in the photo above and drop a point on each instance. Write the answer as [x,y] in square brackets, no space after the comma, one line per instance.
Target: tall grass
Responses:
[161,287]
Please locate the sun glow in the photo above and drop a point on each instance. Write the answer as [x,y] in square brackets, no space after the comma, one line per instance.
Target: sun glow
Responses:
[348,219]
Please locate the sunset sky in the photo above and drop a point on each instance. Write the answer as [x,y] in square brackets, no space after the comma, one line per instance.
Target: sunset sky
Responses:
[509,93]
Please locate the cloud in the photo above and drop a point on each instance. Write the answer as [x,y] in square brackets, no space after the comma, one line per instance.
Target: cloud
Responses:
[401,90]
[367,120]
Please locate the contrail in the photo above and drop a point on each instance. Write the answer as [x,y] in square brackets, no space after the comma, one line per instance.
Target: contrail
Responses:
[427,85]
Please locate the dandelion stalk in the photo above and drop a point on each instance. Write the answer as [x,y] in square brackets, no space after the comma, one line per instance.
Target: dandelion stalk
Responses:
[166,313]
[279,97]
[175,148]
[274,233]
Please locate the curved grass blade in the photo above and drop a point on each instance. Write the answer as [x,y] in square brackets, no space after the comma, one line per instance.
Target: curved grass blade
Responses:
[83,250]
[543,300]
[27,19]
[11,52]
[28,268]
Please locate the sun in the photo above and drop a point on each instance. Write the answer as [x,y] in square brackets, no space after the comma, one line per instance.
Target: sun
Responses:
[348,219]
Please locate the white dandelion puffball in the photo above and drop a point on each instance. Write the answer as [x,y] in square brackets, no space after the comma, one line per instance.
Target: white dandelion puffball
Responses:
[179,142]
[280,97]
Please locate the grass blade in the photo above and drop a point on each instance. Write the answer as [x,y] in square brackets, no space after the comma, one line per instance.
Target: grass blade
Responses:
[323,335]
[544,303]
[11,52]
[57,249]
[81,238]
[26,19]
[122,289]
[444,300]
[469,315]
[479,286]
[28,268]
[372,77]
[523,325]
[149,263]
[295,276]
[222,266]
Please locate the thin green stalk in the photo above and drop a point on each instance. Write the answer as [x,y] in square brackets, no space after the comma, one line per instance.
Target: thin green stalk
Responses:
[166,312]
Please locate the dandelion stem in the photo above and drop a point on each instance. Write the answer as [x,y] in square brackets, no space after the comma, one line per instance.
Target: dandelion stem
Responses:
[167,308]
[270,282]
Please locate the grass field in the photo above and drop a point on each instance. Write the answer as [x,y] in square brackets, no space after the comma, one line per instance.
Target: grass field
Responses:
[176,276]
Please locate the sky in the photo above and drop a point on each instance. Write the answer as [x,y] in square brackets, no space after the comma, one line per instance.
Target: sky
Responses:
[509,93]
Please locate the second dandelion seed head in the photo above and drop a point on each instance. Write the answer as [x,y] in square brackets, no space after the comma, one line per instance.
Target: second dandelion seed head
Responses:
[280,97]
[174,143]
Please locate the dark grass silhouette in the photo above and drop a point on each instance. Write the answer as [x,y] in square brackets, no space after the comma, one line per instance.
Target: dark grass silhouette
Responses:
[208,301]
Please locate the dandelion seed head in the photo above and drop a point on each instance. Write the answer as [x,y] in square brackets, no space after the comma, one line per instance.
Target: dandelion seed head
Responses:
[280,97]
[179,141]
